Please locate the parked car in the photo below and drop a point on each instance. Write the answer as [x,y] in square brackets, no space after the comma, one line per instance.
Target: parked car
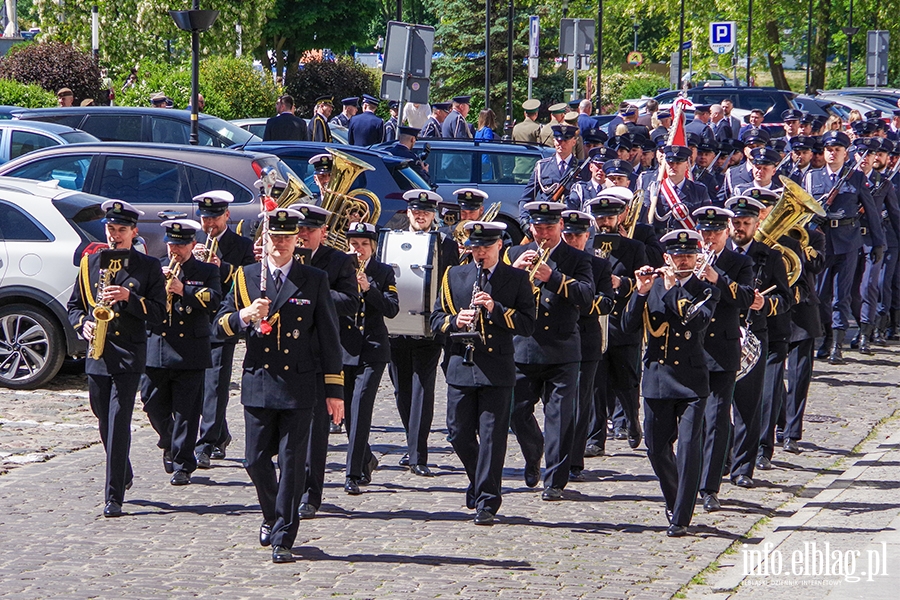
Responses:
[158,177]
[843,104]
[392,175]
[44,230]
[499,168]
[770,100]
[257,126]
[129,124]
[21,137]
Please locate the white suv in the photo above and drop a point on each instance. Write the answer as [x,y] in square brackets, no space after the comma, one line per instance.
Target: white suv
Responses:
[44,231]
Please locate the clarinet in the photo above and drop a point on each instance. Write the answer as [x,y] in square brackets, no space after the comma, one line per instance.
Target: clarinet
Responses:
[472,331]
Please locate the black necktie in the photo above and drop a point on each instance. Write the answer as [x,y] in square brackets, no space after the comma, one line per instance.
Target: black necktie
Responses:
[833,179]
[739,249]
[277,278]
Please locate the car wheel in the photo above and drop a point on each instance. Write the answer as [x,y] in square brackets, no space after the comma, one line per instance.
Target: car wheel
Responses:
[32,347]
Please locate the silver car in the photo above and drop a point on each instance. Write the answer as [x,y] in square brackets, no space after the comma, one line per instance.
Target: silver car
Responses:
[21,137]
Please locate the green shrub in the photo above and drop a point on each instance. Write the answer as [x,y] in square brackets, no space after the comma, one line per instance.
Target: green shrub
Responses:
[53,66]
[341,79]
[634,84]
[172,80]
[13,93]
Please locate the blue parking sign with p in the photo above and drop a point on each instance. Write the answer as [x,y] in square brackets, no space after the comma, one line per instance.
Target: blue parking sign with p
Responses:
[722,36]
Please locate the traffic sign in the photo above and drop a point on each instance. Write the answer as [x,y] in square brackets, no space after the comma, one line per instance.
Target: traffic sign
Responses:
[635,58]
[534,36]
[687,45]
[722,36]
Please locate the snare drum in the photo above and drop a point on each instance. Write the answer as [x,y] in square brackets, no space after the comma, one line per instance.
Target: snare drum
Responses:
[414,257]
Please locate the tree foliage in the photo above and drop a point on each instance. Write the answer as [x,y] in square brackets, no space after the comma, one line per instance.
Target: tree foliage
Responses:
[29,95]
[53,66]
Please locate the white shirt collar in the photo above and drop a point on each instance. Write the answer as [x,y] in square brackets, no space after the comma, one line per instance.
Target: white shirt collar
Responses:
[285,270]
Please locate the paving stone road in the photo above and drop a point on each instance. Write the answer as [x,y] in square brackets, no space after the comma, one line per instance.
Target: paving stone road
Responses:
[405,536]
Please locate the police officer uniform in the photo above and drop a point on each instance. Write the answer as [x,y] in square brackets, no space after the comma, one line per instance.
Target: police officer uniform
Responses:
[234,251]
[113,378]
[367,128]
[768,269]
[363,369]
[178,353]
[722,351]
[283,373]
[547,363]
[592,342]
[479,393]
[432,127]
[455,125]
[414,360]
[690,195]
[704,175]
[792,169]
[344,292]
[700,128]
[391,125]
[617,382]
[402,151]
[619,167]
[843,237]
[319,131]
[742,173]
[341,118]
[548,175]
[890,271]
[586,190]
[676,378]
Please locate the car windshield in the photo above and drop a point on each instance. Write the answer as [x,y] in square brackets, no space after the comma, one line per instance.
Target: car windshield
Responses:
[77,137]
[230,131]
[408,179]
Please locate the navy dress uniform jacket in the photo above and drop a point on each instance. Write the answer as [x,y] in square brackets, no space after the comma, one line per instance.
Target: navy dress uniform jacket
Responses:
[805,320]
[589,323]
[125,350]
[366,129]
[513,315]
[627,257]
[722,346]
[182,340]
[652,247]
[432,129]
[234,251]
[283,370]
[853,196]
[341,270]
[319,131]
[286,126]
[455,126]
[692,194]
[674,364]
[737,175]
[571,286]
[379,303]
[885,197]
[768,270]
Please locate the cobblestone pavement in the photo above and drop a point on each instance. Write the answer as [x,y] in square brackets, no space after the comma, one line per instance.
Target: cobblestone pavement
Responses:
[405,536]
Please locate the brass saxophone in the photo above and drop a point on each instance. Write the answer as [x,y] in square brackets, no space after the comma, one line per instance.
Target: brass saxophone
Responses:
[103,313]
[174,271]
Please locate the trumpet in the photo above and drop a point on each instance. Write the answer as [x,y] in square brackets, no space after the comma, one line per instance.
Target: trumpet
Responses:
[103,313]
[539,259]
[212,246]
[707,259]
[174,271]
[360,263]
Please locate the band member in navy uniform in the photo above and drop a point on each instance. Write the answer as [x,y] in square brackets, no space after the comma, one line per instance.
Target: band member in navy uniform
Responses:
[673,308]
[362,372]
[585,191]
[471,208]
[548,362]
[233,251]
[843,238]
[690,195]
[549,172]
[319,131]
[731,274]
[414,361]
[493,302]
[618,376]
[291,358]
[178,350]
[769,272]
[344,290]
[367,128]
[455,126]
[135,294]
[576,230]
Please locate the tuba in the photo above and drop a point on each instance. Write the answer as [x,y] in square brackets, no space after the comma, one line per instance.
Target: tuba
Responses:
[345,206]
[794,210]
[461,236]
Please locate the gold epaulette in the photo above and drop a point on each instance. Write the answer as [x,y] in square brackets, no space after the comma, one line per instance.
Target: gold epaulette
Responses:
[446,295]
[241,295]
[85,275]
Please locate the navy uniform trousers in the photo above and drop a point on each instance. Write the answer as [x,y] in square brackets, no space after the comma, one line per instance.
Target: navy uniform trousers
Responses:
[172,400]
[413,372]
[361,386]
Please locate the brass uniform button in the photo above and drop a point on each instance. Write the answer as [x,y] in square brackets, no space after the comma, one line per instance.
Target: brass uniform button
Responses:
[265,349]
[546,328]
[286,368]
[180,335]
[163,334]
[676,363]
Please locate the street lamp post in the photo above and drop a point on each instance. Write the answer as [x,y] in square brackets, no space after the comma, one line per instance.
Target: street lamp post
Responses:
[195,21]
[808,43]
[599,52]
[487,54]
[749,36]
[680,46]
[510,19]
[850,31]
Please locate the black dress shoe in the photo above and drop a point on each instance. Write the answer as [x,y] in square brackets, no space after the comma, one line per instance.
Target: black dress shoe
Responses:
[484,517]
[742,481]
[265,534]
[592,450]
[203,461]
[404,461]
[676,531]
[218,452]
[368,469]
[130,483]
[280,554]
[763,463]
[621,433]
[306,511]
[635,438]
[421,470]
[181,478]
[167,461]
[791,446]
[711,503]
[779,436]
[112,509]
[351,486]
[551,494]
[576,474]
[532,475]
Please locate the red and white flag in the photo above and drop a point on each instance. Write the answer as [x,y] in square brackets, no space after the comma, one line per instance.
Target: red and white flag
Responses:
[667,190]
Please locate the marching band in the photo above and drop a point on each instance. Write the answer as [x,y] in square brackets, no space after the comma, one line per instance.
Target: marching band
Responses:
[691,291]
